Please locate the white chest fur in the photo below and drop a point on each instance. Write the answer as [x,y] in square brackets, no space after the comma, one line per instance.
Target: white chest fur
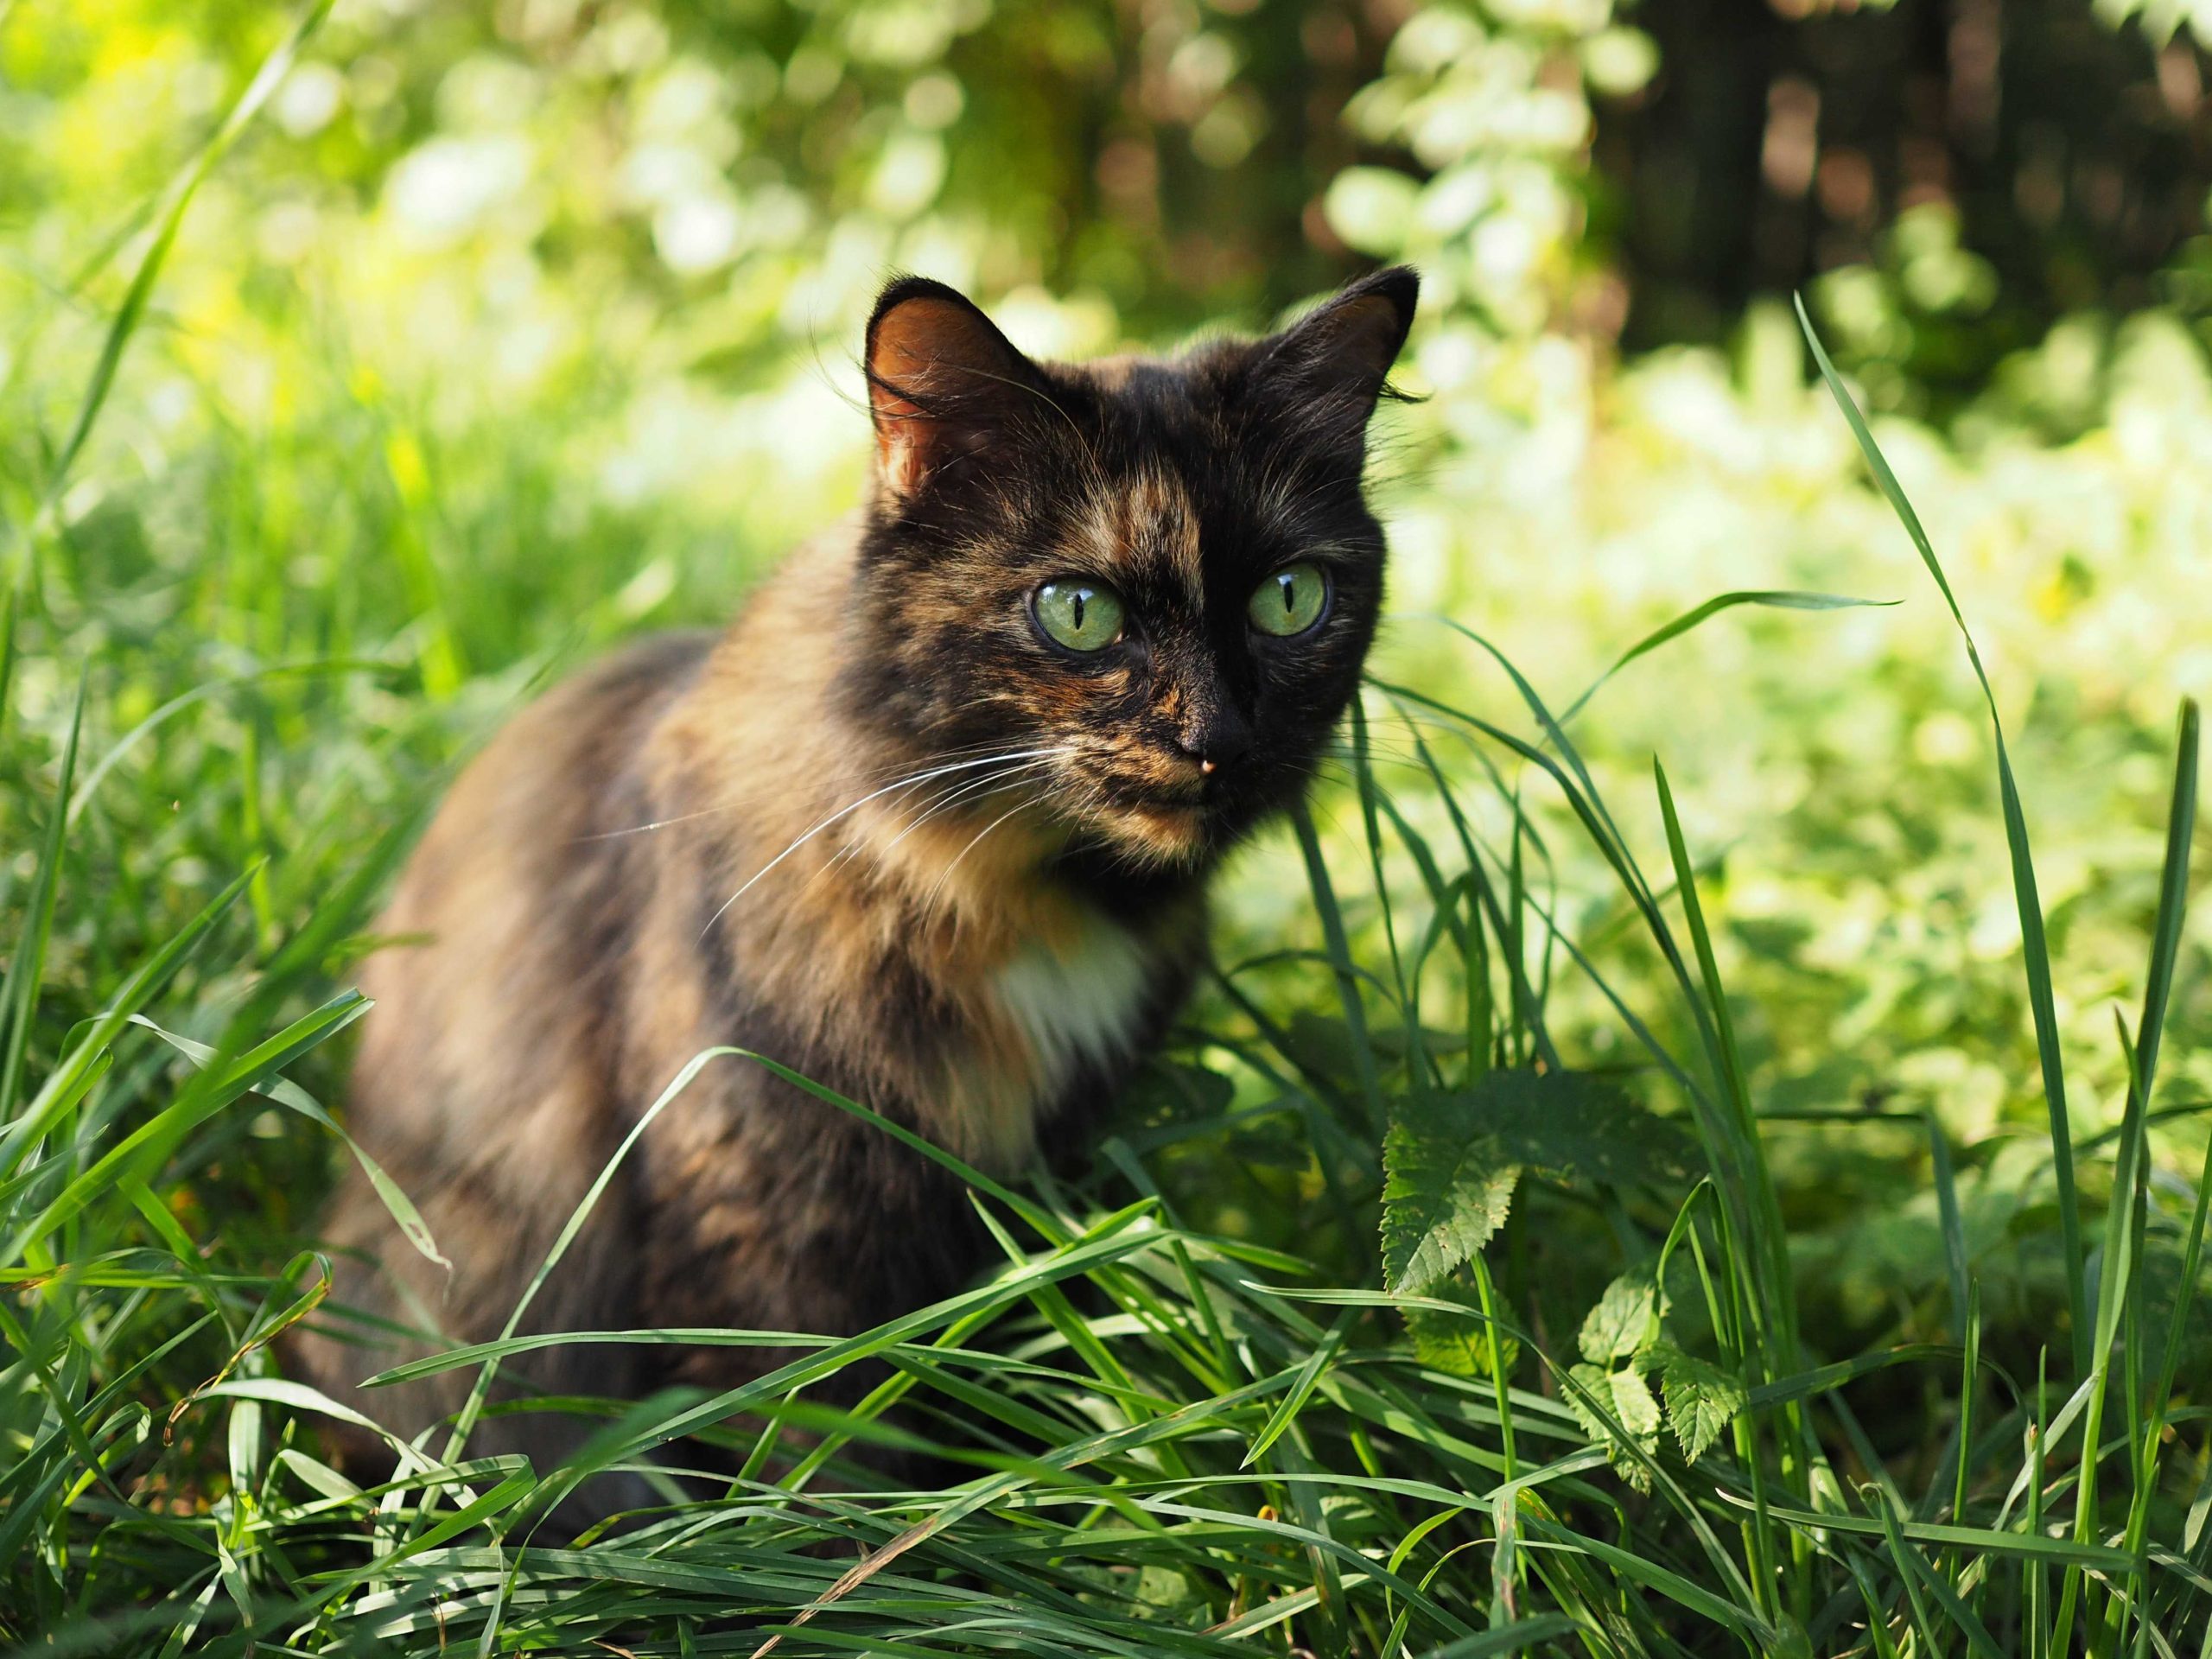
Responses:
[1075,1005]
[1073,1001]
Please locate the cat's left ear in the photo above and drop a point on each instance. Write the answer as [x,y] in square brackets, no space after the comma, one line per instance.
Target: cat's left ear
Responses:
[1328,369]
[945,385]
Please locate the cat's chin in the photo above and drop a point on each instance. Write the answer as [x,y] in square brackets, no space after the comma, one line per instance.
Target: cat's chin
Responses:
[1163,835]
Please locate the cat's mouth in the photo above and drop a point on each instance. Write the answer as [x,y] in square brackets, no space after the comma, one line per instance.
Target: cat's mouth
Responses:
[1179,817]
[1158,823]
[1160,799]
[1152,811]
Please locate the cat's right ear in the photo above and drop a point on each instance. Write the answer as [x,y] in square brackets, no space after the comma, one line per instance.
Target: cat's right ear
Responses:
[943,383]
[1328,369]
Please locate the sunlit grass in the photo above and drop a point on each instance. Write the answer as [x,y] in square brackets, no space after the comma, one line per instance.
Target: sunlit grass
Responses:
[1182,1440]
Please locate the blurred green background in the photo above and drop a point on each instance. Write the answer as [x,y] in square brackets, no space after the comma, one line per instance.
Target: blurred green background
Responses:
[509,328]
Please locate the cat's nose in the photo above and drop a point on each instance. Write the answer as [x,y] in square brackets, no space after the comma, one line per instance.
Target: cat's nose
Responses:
[1216,742]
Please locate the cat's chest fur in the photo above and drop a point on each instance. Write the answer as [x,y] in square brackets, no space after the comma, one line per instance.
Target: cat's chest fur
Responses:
[1062,1005]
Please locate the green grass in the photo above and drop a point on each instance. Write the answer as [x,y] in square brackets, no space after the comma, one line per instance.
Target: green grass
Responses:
[1411,1309]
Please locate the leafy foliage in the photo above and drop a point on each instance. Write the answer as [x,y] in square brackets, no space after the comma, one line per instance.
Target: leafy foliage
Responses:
[1446,1195]
[1453,1161]
[1702,1400]
[1624,1320]
[1458,1340]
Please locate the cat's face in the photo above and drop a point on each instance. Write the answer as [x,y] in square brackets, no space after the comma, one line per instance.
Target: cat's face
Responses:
[1132,598]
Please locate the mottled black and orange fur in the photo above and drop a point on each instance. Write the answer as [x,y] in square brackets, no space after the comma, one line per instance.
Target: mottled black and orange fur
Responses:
[708,840]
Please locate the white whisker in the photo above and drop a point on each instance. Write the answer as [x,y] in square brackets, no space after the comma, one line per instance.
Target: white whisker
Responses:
[846,811]
[967,789]
[929,902]
[731,802]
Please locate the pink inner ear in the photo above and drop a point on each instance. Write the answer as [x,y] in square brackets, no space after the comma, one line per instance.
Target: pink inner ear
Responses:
[924,344]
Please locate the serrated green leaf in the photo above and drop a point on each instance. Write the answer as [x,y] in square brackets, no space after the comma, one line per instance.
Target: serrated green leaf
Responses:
[1595,1384]
[1451,1344]
[1634,1404]
[1442,1199]
[1451,1160]
[1572,1128]
[1621,1322]
[1445,1193]
[1702,1400]
[1617,1410]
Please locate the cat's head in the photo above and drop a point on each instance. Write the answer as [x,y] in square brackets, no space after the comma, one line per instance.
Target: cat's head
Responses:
[1131,596]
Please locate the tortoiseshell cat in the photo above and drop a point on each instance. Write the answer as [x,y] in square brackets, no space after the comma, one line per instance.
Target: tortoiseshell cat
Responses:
[931,825]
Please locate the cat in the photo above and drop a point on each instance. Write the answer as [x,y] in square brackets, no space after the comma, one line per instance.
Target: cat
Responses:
[931,824]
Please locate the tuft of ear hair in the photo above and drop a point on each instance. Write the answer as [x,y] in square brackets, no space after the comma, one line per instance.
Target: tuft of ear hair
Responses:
[943,383]
[1330,368]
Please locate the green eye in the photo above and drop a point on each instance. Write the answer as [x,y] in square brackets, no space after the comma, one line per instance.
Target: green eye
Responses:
[1290,601]
[1081,615]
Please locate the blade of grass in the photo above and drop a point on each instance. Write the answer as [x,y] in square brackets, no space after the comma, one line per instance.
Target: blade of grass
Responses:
[1774,1292]
[1947,1215]
[145,983]
[28,969]
[1347,978]
[289,1094]
[1970,1380]
[2117,1264]
[1922,1582]
[1744,1623]
[1779,1304]
[2166,931]
[1370,794]
[2034,947]
[209,1091]
[1301,1391]
[2059,1552]
[7,611]
[1506,1638]
[2035,1583]
[1780,598]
